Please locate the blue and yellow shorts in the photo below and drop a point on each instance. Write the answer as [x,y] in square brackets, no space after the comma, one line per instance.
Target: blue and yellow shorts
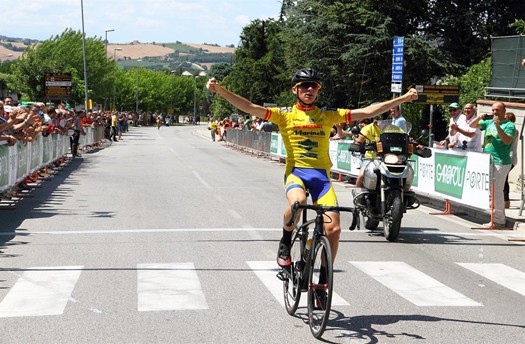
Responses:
[315,181]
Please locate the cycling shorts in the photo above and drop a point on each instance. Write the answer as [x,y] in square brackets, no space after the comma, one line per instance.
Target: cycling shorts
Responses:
[315,181]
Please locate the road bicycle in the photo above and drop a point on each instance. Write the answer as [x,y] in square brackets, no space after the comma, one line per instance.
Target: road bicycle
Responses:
[311,256]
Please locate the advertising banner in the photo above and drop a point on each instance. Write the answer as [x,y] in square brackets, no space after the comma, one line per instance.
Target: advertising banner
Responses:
[4,167]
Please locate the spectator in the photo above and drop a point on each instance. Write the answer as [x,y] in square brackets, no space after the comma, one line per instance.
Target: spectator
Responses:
[457,118]
[514,159]
[468,137]
[213,129]
[499,133]
[114,123]
[398,119]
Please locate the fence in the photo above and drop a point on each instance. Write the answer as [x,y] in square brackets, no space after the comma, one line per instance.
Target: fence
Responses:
[20,161]
[460,176]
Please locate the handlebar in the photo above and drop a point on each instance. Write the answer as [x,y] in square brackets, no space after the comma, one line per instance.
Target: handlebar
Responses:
[319,209]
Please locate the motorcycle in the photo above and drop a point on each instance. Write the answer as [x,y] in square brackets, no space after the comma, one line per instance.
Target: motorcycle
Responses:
[387,180]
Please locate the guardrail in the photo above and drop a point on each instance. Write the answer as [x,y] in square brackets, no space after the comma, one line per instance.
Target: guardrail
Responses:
[20,161]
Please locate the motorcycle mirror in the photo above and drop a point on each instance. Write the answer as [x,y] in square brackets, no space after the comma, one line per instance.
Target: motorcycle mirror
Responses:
[355,130]
[424,133]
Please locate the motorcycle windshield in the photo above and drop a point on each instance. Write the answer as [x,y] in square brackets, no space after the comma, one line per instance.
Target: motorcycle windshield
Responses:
[395,143]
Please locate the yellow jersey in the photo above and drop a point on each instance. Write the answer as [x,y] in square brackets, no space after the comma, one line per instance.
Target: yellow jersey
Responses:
[306,133]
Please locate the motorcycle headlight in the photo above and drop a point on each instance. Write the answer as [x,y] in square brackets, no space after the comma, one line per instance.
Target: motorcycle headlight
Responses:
[394,159]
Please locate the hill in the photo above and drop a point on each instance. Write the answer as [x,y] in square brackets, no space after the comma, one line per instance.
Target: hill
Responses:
[158,55]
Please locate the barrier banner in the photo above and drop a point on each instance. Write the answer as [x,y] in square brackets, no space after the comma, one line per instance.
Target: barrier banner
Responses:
[456,175]
[4,167]
[22,158]
[274,146]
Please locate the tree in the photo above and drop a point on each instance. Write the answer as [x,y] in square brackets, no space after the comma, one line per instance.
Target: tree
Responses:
[64,53]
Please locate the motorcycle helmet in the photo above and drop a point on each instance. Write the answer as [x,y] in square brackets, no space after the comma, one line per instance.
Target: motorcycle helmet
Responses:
[306,74]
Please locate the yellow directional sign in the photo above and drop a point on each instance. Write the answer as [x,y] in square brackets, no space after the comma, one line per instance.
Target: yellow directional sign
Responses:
[437,94]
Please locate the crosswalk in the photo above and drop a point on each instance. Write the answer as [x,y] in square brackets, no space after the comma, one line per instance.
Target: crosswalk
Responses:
[45,291]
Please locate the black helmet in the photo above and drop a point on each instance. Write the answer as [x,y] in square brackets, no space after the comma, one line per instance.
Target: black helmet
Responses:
[306,74]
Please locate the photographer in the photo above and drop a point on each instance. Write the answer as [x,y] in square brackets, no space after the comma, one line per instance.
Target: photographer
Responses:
[499,132]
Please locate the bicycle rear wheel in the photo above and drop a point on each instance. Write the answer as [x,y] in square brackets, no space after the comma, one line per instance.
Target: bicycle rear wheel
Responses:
[320,292]
[292,285]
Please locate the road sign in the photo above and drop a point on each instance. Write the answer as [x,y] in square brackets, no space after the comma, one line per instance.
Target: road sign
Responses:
[437,94]
[398,59]
[58,85]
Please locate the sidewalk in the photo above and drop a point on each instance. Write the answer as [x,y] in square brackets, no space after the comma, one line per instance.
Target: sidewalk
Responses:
[514,220]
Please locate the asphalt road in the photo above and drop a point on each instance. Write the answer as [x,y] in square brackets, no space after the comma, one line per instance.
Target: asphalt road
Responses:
[167,237]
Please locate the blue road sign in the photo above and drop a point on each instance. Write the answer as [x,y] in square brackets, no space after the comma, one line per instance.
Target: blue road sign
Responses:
[397,58]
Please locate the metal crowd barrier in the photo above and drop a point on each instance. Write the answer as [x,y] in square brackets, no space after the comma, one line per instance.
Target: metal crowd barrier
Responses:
[257,142]
[20,161]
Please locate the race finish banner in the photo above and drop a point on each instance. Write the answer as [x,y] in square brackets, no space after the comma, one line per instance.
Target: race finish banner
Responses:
[58,86]
[437,94]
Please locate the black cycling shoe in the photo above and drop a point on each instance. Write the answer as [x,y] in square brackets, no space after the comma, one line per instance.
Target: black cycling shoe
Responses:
[283,256]
[320,299]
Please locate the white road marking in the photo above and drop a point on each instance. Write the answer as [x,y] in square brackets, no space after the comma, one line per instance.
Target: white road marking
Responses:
[267,271]
[41,291]
[479,233]
[203,182]
[171,286]
[413,285]
[234,214]
[504,275]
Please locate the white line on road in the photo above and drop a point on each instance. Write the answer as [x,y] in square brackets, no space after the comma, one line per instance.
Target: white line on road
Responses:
[479,233]
[499,273]
[202,180]
[172,286]
[234,214]
[267,271]
[413,285]
[41,291]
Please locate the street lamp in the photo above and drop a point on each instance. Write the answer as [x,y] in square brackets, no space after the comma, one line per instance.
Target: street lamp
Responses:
[115,52]
[106,39]
[201,73]
[137,91]
[86,95]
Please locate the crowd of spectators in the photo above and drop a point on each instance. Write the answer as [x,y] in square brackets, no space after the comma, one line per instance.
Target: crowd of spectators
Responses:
[22,122]
[219,127]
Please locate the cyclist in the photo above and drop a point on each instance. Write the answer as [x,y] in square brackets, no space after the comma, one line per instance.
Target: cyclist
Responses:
[305,130]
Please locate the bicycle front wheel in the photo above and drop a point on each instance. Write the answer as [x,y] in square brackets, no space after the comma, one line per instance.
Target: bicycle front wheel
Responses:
[320,286]
[292,285]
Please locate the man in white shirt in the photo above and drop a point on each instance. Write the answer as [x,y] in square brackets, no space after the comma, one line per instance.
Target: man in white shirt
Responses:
[470,136]
[456,117]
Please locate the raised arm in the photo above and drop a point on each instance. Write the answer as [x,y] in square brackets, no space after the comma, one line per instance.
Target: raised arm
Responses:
[236,100]
[378,108]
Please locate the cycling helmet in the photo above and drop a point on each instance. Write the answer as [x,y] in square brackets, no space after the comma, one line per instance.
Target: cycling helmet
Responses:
[306,74]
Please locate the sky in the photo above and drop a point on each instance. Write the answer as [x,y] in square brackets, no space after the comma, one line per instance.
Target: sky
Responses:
[161,21]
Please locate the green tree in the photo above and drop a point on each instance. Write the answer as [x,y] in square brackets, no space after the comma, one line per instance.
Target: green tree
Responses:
[64,53]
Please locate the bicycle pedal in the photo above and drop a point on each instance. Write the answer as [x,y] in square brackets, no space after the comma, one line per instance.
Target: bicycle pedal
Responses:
[282,275]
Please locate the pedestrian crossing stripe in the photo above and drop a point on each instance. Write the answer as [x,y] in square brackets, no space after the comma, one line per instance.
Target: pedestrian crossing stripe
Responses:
[167,287]
[413,285]
[504,275]
[41,291]
[267,271]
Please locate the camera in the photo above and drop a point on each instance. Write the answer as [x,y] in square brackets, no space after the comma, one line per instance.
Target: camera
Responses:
[487,116]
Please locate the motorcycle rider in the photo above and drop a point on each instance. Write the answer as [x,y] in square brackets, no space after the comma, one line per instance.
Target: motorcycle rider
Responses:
[370,132]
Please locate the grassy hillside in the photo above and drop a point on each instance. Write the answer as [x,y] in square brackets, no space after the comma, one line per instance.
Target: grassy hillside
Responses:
[173,56]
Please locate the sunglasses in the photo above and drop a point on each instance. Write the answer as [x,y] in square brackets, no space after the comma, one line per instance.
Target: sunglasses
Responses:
[306,85]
